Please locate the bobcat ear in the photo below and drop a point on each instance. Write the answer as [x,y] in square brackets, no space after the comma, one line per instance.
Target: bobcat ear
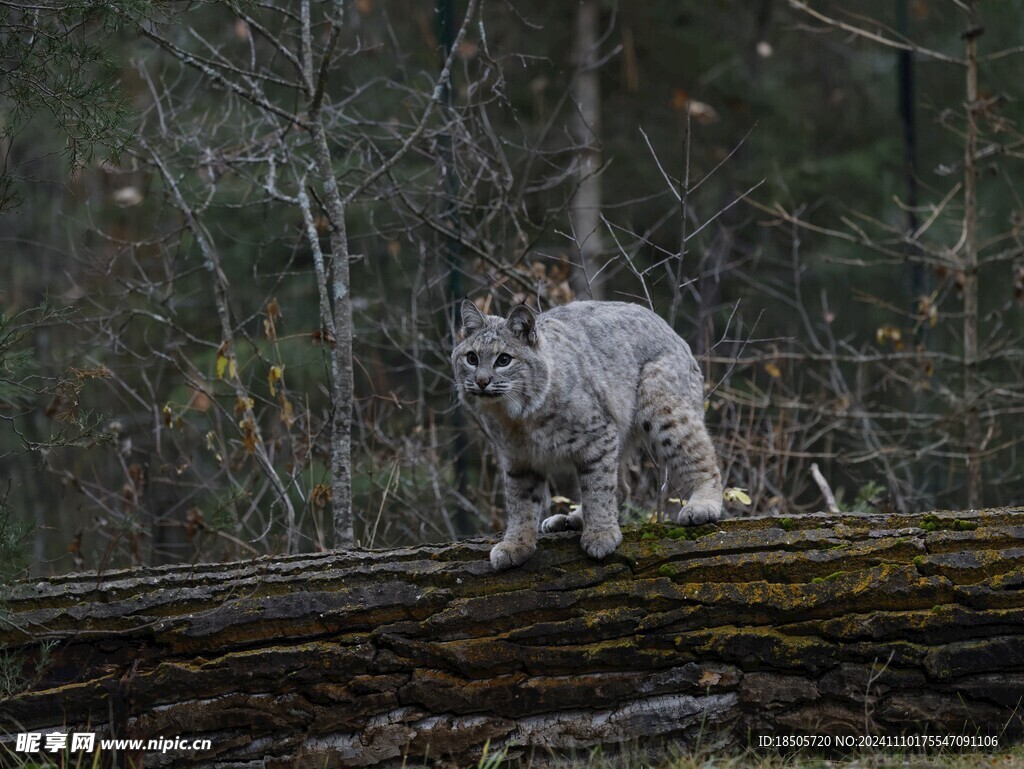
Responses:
[472,318]
[523,323]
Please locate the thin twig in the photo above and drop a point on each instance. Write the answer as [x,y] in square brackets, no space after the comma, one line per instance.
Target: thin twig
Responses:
[826,490]
[873,36]
[220,293]
[435,99]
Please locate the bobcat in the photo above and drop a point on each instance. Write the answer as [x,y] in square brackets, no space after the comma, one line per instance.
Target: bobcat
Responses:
[566,392]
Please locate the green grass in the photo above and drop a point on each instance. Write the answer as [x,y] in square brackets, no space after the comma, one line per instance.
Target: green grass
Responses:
[636,756]
[674,758]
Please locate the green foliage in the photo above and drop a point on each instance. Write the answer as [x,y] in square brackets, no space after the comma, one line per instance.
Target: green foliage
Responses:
[18,672]
[867,496]
[57,66]
[223,516]
[14,366]
[636,515]
[14,540]
[490,760]
[17,364]
[63,760]
[22,384]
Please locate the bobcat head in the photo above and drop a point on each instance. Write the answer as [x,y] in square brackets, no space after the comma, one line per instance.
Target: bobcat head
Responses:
[499,363]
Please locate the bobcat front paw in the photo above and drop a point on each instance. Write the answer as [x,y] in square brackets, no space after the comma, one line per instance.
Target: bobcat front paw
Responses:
[600,543]
[560,522]
[696,513]
[505,555]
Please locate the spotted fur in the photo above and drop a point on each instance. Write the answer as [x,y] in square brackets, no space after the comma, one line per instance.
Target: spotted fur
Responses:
[566,392]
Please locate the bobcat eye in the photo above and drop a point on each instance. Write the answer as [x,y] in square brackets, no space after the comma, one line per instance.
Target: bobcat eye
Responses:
[503,360]
[471,358]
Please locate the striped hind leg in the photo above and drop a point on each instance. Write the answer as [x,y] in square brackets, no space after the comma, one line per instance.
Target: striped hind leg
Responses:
[670,416]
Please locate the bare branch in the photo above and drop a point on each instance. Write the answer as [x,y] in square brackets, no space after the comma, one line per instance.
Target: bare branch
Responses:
[826,490]
[872,36]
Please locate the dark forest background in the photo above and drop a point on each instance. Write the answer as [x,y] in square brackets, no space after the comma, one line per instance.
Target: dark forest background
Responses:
[204,207]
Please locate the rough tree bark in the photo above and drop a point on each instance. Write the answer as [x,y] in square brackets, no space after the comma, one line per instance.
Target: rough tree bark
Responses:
[585,207]
[341,533]
[823,624]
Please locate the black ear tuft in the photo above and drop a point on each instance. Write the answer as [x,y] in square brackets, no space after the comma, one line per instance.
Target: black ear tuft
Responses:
[523,323]
[472,318]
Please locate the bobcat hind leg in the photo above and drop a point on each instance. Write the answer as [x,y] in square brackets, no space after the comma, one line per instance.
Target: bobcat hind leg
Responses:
[671,419]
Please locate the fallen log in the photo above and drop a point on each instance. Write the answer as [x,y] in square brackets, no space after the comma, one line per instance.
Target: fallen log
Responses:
[877,625]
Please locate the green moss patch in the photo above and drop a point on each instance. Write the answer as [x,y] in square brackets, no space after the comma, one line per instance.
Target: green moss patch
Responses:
[935,523]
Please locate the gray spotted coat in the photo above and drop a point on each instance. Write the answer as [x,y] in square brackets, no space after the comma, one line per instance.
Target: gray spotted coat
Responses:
[565,393]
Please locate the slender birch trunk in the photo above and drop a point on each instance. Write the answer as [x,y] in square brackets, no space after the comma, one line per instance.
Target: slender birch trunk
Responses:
[585,209]
[338,317]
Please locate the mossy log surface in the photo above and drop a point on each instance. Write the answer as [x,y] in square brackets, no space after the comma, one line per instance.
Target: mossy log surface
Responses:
[819,624]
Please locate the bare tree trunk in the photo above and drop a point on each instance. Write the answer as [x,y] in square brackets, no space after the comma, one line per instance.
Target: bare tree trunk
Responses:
[342,390]
[821,624]
[341,531]
[585,209]
[972,425]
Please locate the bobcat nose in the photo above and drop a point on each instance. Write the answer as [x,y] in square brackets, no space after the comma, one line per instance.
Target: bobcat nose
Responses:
[482,382]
